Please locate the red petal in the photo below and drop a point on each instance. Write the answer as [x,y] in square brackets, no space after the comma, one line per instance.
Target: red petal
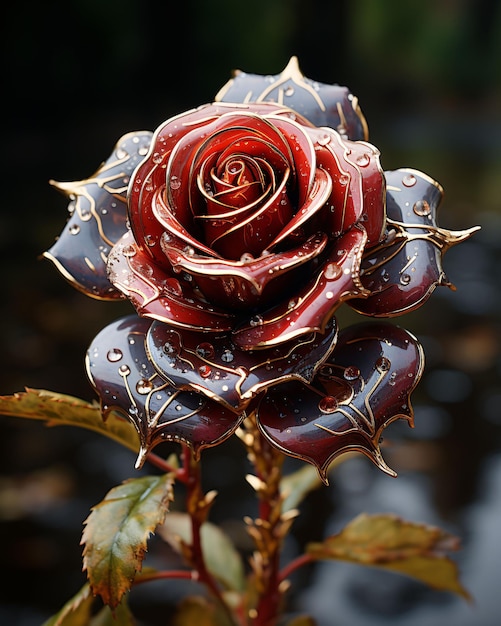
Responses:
[242,284]
[158,294]
[311,306]
[126,381]
[365,386]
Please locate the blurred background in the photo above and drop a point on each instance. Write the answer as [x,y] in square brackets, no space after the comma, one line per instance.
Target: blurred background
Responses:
[79,74]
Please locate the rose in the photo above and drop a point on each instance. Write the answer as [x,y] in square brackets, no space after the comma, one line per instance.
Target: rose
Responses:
[246,227]
[247,219]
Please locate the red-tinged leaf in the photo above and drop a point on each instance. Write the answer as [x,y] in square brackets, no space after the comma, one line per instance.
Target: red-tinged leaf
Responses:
[116,533]
[386,541]
[222,559]
[61,410]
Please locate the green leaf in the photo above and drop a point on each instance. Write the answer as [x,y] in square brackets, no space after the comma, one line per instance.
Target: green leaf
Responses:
[297,485]
[388,542]
[117,530]
[76,612]
[222,559]
[61,410]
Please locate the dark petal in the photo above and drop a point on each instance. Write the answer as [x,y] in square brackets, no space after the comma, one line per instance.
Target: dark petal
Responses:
[125,380]
[364,386]
[98,215]
[212,365]
[321,104]
[159,294]
[311,306]
[406,267]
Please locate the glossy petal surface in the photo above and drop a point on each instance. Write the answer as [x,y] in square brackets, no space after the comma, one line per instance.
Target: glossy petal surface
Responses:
[313,305]
[212,365]
[364,386]
[323,105]
[403,271]
[98,218]
[126,381]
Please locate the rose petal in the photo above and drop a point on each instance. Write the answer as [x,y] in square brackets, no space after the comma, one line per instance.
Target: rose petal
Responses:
[157,294]
[315,303]
[358,184]
[213,366]
[403,271]
[323,105]
[126,381]
[237,285]
[365,386]
[98,216]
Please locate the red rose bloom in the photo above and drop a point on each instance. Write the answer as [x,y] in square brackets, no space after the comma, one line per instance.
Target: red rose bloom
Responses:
[238,231]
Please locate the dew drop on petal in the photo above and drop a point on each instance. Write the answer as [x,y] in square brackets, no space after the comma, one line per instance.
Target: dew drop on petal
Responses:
[74,229]
[383,364]
[421,207]
[328,404]
[332,271]
[409,180]
[124,370]
[114,355]
[351,372]
[227,356]
[174,183]
[363,160]
[144,386]
[204,371]
[405,279]
[205,350]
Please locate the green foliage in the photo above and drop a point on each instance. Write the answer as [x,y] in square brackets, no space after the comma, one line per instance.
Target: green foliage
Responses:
[385,541]
[222,559]
[57,409]
[117,530]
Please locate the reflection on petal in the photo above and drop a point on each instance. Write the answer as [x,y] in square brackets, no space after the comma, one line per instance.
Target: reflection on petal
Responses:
[98,216]
[323,105]
[364,386]
[403,271]
[314,304]
[212,365]
[119,368]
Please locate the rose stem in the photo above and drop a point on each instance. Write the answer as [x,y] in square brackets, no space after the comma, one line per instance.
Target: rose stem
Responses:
[198,508]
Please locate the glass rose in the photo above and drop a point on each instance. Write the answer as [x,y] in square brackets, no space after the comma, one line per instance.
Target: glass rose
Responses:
[236,230]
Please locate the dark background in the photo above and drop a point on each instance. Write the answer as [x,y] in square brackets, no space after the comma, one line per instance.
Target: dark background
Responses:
[76,75]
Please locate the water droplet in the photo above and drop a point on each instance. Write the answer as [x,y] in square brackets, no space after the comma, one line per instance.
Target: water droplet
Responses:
[114,355]
[204,371]
[124,370]
[227,356]
[144,386]
[343,179]
[385,276]
[383,364]
[421,207]
[150,240]
[329,295]
[129,250]
[405,279]
[205,350]
[409,180]
[74,229]
[332,271]
[363,160]
[157,157]
[324,139]
[328,404]
[289,91]
[174,183]
[351,372]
